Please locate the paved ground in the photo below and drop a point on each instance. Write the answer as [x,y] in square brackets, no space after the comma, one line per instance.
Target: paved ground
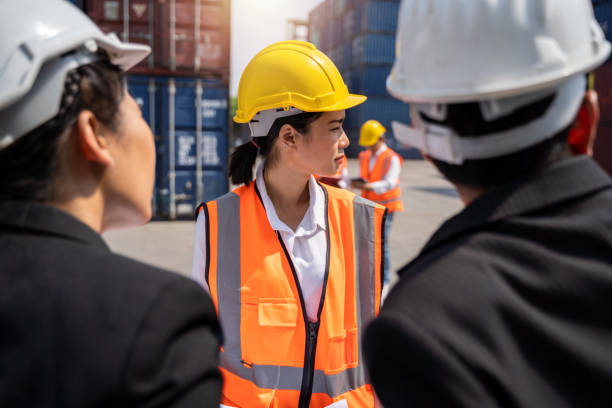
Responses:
[428,200]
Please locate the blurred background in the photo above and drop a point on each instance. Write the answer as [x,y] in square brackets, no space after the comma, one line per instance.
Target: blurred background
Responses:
[187,91]
[187,87]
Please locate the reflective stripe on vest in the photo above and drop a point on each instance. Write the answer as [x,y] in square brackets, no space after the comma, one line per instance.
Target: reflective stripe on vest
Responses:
[256,374]
[390,199]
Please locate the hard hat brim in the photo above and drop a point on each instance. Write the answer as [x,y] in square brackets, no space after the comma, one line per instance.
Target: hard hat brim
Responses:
[350,101]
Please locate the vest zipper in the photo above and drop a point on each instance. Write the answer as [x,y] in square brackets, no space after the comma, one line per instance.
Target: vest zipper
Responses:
[312,331]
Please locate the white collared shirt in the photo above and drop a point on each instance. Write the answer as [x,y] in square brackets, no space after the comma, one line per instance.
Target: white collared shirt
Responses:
[389,180]
[307,245]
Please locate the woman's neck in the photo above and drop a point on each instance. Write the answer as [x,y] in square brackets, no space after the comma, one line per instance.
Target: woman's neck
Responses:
[288,191]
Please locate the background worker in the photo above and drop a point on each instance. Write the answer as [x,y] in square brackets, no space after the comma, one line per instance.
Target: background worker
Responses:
[293,266]
[380,169]
[508,304]
[81,326]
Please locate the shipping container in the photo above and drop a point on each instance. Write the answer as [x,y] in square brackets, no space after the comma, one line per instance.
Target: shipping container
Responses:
[131,20]
[193,35]
[189,118]
[187,37]
[370,80]
[377,17]
[373,49]
[383,109]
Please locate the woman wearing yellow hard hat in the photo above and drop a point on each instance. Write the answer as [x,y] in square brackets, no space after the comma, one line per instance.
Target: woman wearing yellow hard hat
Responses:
[294,267]
[380,169]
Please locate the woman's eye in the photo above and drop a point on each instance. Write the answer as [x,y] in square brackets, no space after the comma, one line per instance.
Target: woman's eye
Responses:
[335,129]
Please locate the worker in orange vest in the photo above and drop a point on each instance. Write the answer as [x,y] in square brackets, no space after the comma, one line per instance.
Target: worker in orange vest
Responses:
[294,267]
[380,169]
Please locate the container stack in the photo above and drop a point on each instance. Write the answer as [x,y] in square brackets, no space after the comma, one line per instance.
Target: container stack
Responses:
[359,36]
[182,88]
[602,150]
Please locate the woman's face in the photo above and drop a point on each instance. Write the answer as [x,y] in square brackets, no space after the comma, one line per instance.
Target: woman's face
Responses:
[321,150]
[129,180]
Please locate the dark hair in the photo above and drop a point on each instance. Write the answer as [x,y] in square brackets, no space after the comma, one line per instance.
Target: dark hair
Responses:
[29,166]
[243,158]
[467,120]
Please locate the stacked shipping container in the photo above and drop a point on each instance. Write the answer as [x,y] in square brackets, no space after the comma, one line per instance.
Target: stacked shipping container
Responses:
[359,36]
[182,89]
[603,84]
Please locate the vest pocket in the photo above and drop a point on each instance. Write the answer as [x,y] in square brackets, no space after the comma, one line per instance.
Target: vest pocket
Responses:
[342,351]
[277,313]
[269,330]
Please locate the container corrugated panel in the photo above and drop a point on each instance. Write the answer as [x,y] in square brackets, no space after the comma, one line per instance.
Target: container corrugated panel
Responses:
[131,20]
[379,17]
[337,56]
[603,86]
[187,37]
[214,103]
[185,200]
[338,35]
[383,109]
[373,49]
[371,79]
[347,51]
[188,48]
[155,96]
[351,22]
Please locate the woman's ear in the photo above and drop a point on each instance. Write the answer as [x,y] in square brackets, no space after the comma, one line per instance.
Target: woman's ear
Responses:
[92,143]
[584,129]
[287,136]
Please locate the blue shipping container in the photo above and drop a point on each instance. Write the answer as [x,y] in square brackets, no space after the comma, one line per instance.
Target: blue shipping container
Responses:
[373,49]
[185,199]
[383,109]
[378,17]
[370,80]
[177,133]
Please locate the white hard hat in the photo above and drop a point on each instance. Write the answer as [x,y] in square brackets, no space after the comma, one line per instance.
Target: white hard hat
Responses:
[503,53]
[40,42]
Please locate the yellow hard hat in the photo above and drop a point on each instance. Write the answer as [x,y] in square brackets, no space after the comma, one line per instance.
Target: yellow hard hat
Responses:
[371,131]
[292,74]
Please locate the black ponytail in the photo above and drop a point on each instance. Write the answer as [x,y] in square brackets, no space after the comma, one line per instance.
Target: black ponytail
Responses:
[243,158]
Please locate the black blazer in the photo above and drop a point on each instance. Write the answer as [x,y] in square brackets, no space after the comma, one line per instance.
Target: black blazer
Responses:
[509,304]
[82,327]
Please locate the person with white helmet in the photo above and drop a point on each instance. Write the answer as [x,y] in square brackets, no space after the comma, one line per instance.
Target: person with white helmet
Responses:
[380,168]
[508,303]
[294,267]
[81,326]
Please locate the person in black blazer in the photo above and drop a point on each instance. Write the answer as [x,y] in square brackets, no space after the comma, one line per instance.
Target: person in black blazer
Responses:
[509,302]
[79,325]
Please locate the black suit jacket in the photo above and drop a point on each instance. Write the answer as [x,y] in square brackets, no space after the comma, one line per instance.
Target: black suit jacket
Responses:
[509,304]
[82,327]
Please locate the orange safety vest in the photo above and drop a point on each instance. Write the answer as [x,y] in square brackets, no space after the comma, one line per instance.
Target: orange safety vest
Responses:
[390,199]
[272,355]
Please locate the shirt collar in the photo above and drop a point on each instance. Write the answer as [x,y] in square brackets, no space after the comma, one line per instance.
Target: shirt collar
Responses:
[380,150]
[559,182]
[41,219]
[314,217]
